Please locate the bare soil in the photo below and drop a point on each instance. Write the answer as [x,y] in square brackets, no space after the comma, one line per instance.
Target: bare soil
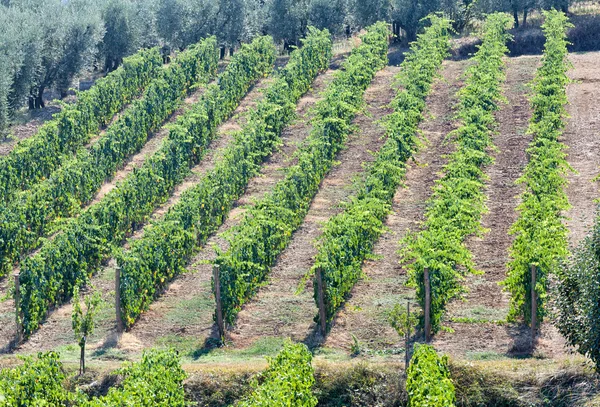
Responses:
[365,313]
[582,136]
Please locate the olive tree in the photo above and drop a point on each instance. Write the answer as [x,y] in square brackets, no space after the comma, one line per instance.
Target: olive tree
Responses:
[329,14]
[119,36]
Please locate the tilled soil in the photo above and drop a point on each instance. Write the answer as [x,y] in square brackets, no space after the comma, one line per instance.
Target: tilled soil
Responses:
[582,136]
[183,314]
[56,331]
[365,313]
[277,310]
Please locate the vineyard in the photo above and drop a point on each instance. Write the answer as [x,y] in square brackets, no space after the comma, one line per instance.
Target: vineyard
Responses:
[387,225]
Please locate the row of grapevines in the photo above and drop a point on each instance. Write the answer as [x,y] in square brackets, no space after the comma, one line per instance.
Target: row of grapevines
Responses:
[37,382]
[349,237]
[50,276]
[36,157]
[458,201]
[541,236]
[168,244]
[267,228]
[157,380]
[288,381]
[428,382]
[31,214]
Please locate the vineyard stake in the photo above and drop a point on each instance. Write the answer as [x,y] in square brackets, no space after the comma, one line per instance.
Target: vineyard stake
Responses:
[321,295]
[407,339]
[533,304]
[219,308]
[19,336]
[427,305]
[118,300]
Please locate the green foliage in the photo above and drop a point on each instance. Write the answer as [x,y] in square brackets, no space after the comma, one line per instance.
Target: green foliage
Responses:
[267,228]
[541,236]
[32,213]
[428,382]
[84,322]
[168,244]
[37,382]
[36,157]
[157,380]
[287,382]
[349,237]
[458,201]
[119,38]
[72,256]
[578,299]
[401,321]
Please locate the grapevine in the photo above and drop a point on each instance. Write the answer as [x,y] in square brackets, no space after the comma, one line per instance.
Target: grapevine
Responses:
[458,201]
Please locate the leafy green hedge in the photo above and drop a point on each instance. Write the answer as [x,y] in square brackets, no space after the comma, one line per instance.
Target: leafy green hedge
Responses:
[267,228]
[36,157]
[287,382]
[31,214]
[168,244]
[50,276]
[428,382]
[458,201]
[157,380]
[541,237]
[349,237]
[37,382]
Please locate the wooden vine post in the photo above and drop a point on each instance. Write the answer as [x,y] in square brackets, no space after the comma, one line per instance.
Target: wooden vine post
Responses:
[533,304]
[119,317]
[18,317]
[321,298]
[427,283]
[219,306]
[407,339]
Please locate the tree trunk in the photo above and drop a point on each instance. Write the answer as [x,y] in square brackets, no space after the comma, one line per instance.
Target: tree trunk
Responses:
[411,33]
[222,53]
[231,49]
[39,99]
[516,16]
[82,357]
[525,11]
[31,102]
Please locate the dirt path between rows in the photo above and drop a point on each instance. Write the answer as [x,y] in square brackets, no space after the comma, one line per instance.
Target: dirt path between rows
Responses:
[582,136]
[56,331]
[183,314]
[365,313]
[277,310]
[486,300]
